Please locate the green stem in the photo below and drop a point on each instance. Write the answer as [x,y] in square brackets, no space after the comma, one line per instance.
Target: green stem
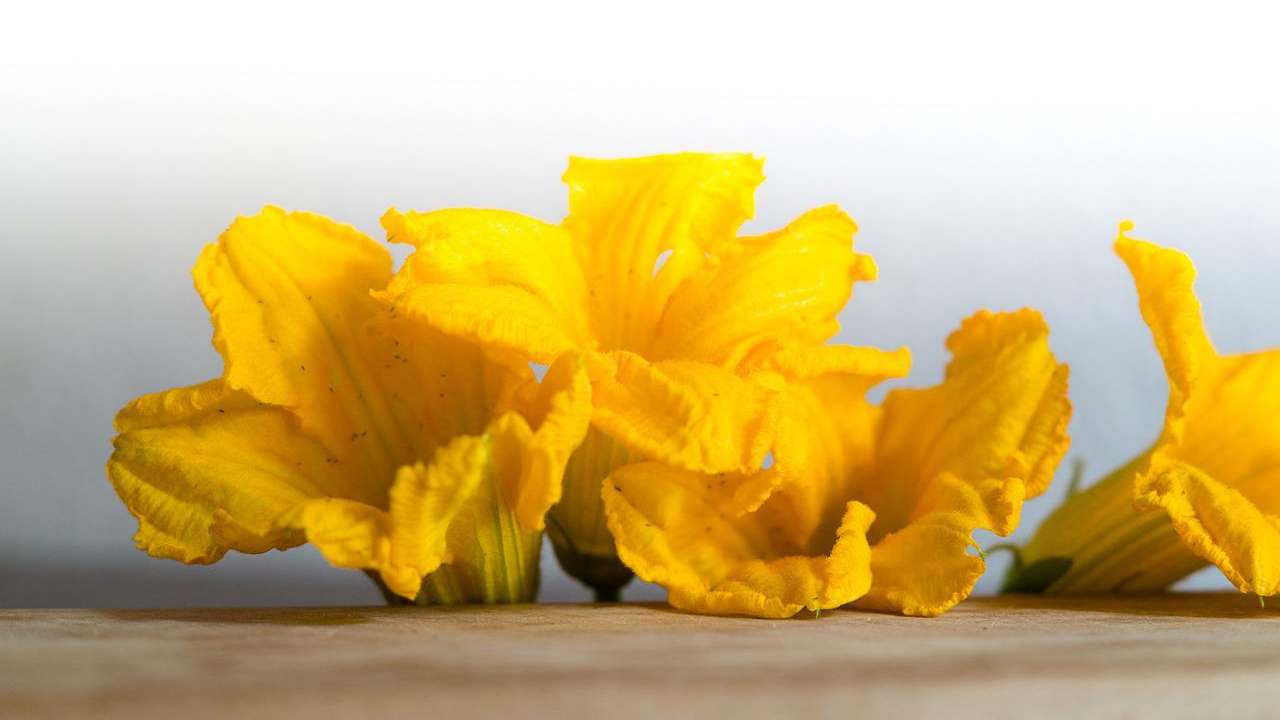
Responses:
[1099,542]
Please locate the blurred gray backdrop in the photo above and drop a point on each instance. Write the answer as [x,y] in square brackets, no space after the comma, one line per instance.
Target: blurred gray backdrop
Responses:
[987,154]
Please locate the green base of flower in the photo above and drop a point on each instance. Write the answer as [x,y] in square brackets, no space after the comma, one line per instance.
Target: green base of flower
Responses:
[606,576]
[440,588]
[1098,542]
[576,525]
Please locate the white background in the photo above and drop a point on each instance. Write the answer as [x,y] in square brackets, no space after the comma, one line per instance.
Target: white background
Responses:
[986,150]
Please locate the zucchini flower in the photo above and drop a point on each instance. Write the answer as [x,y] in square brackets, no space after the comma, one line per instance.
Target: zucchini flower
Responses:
[669,309]
[870,505]
[1205,492]
[387,445]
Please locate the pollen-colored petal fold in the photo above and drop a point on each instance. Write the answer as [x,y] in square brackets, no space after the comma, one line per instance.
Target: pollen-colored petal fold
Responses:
[925,568]
[759,294]
[497,278]
[1216,468]
[1001,411]
[477,506]
[424,502]
[625,214]
[390,445]
[1214,471]
[962,456]
[670,528]
[1218,523]
[1165,278]
[348,533]
[873,365]
[559,411]
[688,414]
[289,296]
[448,511]
[206,469]
[825,445]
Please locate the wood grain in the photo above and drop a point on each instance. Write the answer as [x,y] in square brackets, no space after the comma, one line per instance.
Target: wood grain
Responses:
[1168,656]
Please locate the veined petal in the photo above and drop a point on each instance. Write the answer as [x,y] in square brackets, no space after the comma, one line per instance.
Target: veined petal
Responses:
[923,569]
[501,317]
[825,446]
[289,297]
[424,502]
[560,412]
[478,506]
[436,387]
[1216,468]
[670,532]
[349,533]
[688,414]
[962,456]
[1001,412]
[1219,523]
[294,319]
[624,214]
[494,541]
[328,404]
[1165,280]
[493,277]
[206,469]
[930,565]
[450,511]
[873,365]
[758,294]
[1214,471]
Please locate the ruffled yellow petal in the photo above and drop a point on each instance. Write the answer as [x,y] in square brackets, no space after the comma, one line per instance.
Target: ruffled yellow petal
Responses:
[648,278]
[825,445]
[348,533]
[759,294]
[477,507]
[671,529]
[560,409]
[1000,412]
[434,387]
[206,469]
[1166,297]
[492,556]
[288,294]
[1218,523]
[692,415]
[1214,471]
[295,322]
[625,214]
[925,568]
[492,277]
[493,543]
[451,512]
[386,443]
[962,456]
[871,365]
[688,414]
[1216,468]
[424,501]
[832,448]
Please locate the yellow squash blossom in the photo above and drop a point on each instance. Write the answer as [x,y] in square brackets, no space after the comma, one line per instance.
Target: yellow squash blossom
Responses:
[864,504]
[387,445]
[648,280]
[1207,491]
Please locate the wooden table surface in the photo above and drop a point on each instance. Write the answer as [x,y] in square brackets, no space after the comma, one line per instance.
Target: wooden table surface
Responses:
[1174,655]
